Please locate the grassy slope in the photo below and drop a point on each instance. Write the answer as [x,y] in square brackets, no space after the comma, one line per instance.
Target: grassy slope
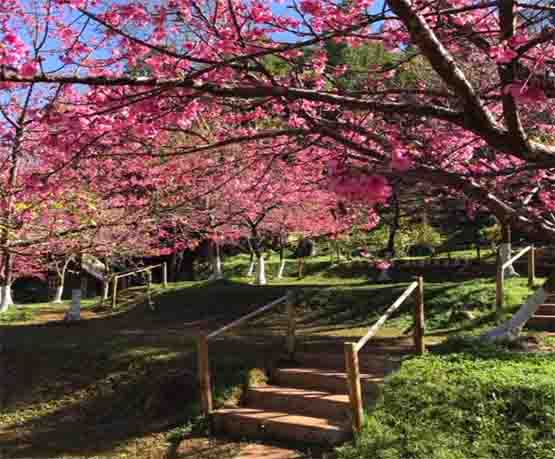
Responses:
[477,402]
[128,379]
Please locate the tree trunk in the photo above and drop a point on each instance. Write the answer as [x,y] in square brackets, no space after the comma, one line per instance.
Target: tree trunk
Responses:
[6,289]
[105,290]
[394,227]
[281,258]
[173,267]
[260,271]
[505,251]
[511,329]
[74,312]
[61,280]
[217,272]
[384,276]
[59,293]
[5,297]
[252,261]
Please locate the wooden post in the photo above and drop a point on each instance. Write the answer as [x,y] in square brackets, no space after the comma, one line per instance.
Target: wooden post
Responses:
[353,382]
[148,289]
[291,325]
[204,375]
[531,266]
[419,346]
[165,274]
[301,266]
[114,292]
[499,294]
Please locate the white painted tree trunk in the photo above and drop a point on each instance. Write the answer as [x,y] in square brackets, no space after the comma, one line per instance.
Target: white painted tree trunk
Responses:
[252,264]
[59,293]
[260,271]
[511,329]
[74,312]
[5,297]
[281,268]
[105,290]
[217,272]
[384,276]
[504,256]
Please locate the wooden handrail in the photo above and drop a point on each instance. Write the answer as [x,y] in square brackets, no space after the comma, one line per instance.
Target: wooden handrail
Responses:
[352,349]
[500,275]
[245,318]
[374,329]
[205,379]
[516,257]
[130,273]
[117,277]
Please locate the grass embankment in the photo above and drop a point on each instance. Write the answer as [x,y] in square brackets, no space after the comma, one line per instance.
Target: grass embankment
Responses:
[473,403]
[123,383]
[120,384]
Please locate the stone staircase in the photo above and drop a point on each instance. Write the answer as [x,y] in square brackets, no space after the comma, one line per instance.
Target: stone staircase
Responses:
[544,318]
[306,400]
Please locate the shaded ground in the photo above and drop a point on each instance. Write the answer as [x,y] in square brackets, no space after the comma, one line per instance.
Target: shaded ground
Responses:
[123,384]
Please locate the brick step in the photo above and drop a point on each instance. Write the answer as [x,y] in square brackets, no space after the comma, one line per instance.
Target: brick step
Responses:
[299,401]
[326,380]
[275,425]
[545,323]
[368,363]
[546,309]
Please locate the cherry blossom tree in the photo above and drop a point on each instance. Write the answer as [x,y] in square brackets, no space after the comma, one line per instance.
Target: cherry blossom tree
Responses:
[479,124]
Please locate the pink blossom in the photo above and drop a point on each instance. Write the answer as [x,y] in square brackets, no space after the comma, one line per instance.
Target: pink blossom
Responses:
[518,40]
[382,265]
[525,93]
[400,162]
[313,7]
[29,69]
[502,54]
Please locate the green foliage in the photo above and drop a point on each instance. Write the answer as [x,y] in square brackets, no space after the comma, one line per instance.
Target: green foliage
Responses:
[483,402]
[424,234]
[492,233]
[408,235]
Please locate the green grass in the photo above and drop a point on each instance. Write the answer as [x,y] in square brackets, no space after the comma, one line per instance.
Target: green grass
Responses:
[128,378]
[30,311]
[479,402]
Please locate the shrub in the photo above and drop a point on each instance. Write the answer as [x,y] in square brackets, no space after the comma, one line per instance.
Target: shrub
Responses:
[425,235]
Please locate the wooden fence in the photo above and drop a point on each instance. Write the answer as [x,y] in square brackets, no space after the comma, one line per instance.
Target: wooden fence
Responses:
[148,270]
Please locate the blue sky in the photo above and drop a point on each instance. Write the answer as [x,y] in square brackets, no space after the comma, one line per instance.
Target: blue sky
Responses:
[281,8]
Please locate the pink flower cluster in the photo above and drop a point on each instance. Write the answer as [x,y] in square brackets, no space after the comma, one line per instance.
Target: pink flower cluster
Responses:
[355,186]
[383,265]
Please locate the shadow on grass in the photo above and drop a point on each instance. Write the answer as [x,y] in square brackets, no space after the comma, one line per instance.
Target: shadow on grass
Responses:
[122,399]
[93,386]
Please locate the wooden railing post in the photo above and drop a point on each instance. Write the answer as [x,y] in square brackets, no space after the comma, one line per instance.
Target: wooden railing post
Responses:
[419,318]
[205,382]
[115,292]
[499,294]
[353,382]
[165,274]
[531,266]
[291,324]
